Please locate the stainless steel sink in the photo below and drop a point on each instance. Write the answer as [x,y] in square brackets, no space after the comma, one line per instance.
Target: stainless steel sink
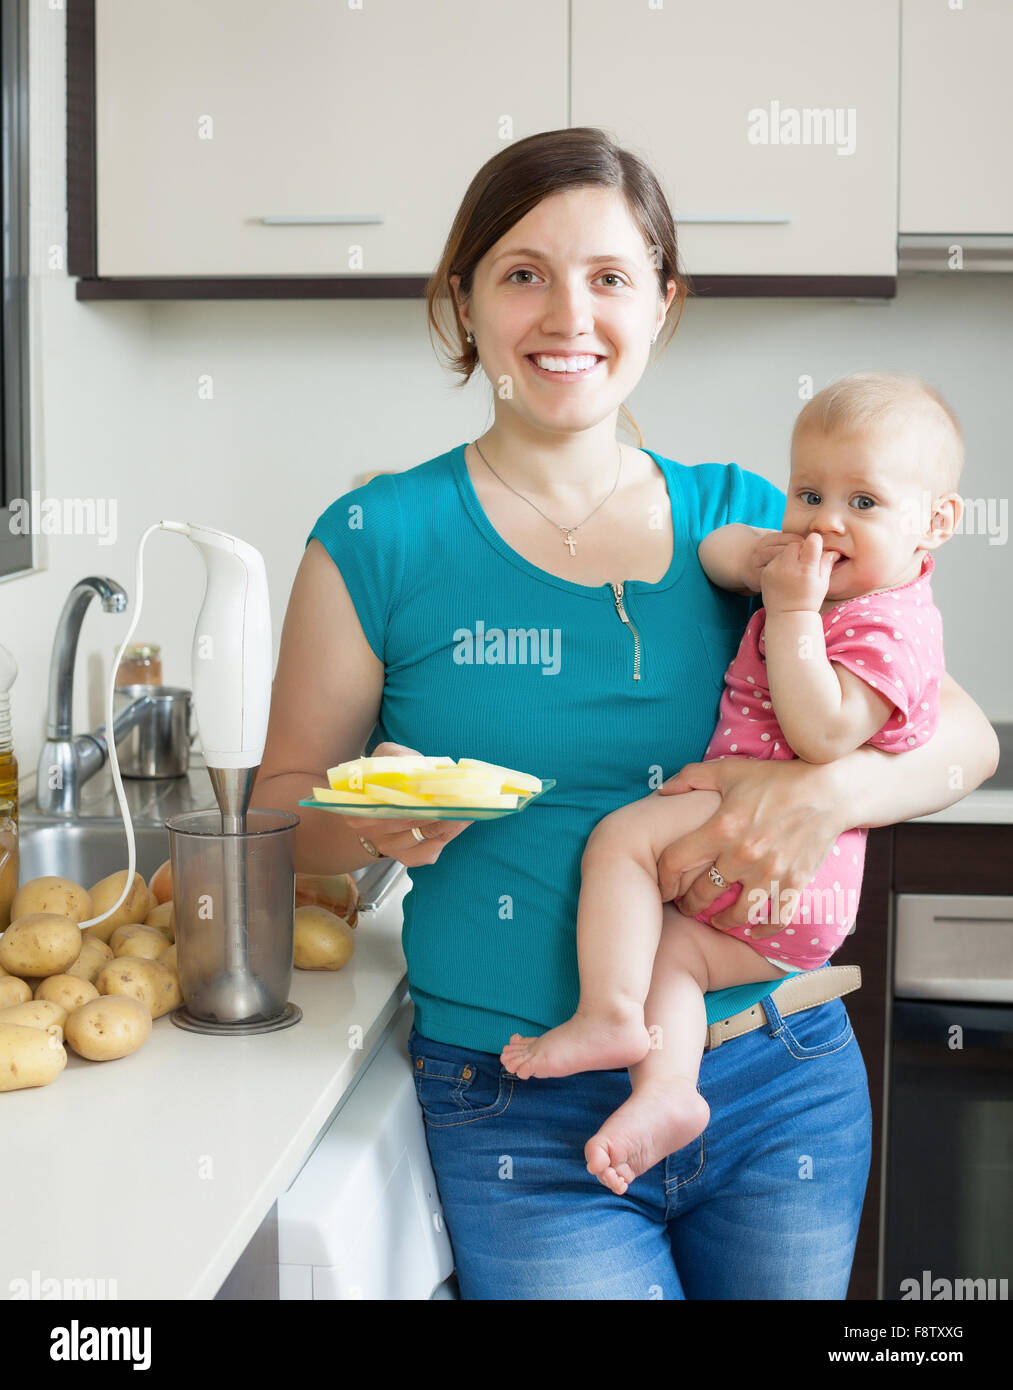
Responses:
[86,850]
[90,846]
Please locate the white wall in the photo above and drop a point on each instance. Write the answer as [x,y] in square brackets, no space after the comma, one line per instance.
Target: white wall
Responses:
[309,395]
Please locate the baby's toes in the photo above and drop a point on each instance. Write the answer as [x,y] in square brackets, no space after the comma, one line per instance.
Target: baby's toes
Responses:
[625,1173]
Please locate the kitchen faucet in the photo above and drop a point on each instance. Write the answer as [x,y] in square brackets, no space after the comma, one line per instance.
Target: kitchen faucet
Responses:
[66,762]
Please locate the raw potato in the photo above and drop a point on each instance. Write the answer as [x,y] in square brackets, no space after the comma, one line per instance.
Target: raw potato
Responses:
[160,882]
[169,996]
[35,1013]
[148,981]
[69,991]
[127,976]
[29,1056]
[13,991]
[52,894]
[104,1029]
[94,954]
[163,919]
[322,940]
[40,944]
[338,893]
[169,958]
[137,940]
[134,907]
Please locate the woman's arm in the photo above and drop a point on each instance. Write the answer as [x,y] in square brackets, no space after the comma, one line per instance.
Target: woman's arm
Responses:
[778,820]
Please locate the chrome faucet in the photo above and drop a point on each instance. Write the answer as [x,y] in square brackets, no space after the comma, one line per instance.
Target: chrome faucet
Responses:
[67,762]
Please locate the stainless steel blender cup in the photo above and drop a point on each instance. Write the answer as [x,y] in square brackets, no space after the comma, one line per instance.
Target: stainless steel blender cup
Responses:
[234,902]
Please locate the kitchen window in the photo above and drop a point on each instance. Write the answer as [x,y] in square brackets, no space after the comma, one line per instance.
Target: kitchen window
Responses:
[15,550]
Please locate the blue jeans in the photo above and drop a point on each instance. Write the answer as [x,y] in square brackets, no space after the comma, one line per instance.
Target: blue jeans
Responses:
[764,1205]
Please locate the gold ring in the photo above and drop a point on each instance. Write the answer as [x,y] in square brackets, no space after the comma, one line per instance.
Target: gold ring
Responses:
[715,877]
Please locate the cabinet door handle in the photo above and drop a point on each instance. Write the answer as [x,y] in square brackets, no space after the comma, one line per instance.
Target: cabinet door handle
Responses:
[735,218]
[313,219]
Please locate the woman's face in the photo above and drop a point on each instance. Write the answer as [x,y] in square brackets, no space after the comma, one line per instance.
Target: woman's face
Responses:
[573,279]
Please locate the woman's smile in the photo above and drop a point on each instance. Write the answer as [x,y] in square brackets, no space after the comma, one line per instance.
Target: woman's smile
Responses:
[587,365]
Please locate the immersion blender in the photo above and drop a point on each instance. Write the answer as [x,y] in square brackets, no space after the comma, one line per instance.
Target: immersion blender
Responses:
[231,677]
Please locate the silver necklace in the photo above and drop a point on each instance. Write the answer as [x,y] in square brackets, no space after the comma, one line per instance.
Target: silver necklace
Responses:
[568,531]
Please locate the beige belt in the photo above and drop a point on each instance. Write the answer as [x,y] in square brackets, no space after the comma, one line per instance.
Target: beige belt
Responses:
[802,991]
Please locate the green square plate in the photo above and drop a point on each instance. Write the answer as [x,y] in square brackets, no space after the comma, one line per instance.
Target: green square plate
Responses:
[382,812]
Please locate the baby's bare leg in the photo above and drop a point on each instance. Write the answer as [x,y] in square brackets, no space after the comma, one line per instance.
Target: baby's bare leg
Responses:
[665,1111]
[619,918]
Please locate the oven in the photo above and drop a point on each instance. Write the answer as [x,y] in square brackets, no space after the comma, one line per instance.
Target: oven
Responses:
[947,1230]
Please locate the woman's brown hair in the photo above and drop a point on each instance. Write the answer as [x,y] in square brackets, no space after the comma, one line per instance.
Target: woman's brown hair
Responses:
[514,181]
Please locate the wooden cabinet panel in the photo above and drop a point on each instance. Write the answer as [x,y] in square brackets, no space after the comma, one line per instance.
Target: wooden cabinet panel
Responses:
[956,171]
[711,96]
[212,114]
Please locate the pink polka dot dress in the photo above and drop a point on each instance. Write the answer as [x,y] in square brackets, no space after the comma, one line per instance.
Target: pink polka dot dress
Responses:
[893,639]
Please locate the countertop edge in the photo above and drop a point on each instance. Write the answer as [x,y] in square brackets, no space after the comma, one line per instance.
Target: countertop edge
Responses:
[302,1143]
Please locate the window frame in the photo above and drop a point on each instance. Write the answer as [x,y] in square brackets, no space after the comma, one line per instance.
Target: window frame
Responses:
[16,551]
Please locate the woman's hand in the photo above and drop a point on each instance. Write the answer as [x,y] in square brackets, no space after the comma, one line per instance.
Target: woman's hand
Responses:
[393,837]
[774,828]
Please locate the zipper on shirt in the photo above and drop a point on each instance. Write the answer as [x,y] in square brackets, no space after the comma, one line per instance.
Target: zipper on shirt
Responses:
[617,589]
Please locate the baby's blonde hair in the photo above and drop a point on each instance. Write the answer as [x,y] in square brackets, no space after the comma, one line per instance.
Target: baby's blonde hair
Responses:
[887,400]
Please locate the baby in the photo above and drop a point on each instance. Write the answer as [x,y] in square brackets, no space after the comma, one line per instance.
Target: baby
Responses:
[846,650]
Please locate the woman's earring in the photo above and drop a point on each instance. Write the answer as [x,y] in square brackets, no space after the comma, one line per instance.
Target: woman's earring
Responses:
[471,337]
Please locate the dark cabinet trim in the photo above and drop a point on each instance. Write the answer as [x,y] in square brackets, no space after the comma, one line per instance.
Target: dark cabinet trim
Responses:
[952,859]
[414,286]
[82,250]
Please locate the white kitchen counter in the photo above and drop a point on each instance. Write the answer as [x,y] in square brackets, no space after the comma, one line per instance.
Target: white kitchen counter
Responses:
[156,1169]
[982,807]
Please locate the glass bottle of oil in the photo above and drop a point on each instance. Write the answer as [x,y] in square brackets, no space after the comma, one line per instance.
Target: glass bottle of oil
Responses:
[8,862]
[8,762]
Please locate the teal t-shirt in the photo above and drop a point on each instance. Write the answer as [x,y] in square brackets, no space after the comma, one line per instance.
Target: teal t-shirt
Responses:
[487,656]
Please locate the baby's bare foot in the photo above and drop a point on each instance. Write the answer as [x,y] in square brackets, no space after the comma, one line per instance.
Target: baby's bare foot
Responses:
[659,1118]
[583,1043]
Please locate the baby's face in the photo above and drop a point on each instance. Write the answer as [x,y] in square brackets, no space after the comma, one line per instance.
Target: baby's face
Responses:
[863,494]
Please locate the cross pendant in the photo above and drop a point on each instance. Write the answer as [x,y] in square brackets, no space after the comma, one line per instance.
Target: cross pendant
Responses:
[568,540]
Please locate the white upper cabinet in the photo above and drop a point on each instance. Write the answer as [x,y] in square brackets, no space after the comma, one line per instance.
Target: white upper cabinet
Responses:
[359,129]
[772,127]
[956,169]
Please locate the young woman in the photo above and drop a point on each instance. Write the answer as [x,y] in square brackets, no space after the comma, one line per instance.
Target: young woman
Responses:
[534,599]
